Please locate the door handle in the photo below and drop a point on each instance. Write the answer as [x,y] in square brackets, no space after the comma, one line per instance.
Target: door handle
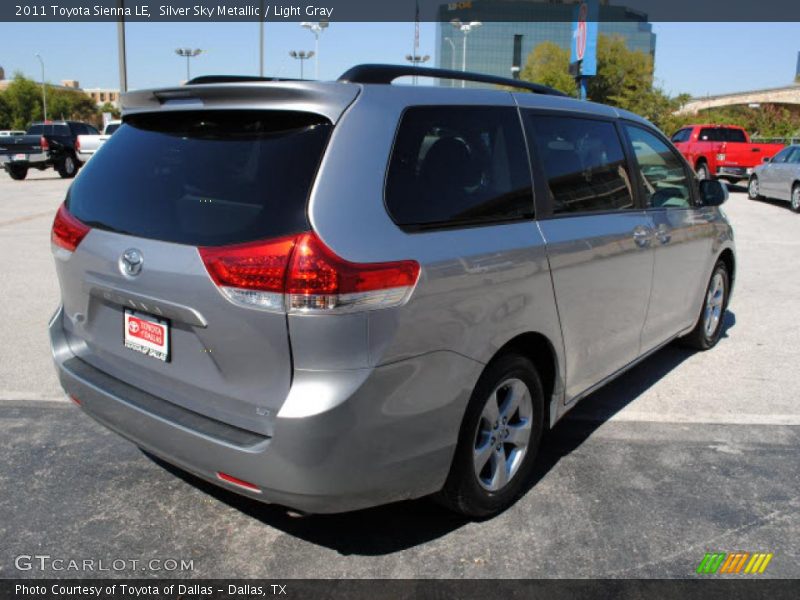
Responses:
[641,235]
[663,234]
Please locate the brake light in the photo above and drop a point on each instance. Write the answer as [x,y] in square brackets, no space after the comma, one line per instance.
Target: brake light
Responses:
[44,144]
[78,144]
[301,274]
[67,231]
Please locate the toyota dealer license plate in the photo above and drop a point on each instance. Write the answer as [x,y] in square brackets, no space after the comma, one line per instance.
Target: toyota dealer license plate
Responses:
[146,334]
[20,157]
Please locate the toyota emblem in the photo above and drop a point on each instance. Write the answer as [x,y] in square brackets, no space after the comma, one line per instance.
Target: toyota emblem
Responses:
[131,262]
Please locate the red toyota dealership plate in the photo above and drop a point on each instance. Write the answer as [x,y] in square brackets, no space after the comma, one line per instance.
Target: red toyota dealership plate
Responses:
[146,334]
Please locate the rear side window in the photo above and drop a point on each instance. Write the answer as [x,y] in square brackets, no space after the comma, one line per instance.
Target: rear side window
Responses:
[203,177]
[458,165]
[584,163]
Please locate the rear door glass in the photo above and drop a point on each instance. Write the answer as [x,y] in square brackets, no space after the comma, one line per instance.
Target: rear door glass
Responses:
[584,163]
[203,177]
[458,165]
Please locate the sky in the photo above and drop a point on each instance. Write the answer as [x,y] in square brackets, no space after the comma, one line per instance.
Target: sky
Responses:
[696,58]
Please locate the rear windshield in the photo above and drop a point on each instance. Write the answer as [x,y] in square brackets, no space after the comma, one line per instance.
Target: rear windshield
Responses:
[111,128]
[203,178]
[50,129]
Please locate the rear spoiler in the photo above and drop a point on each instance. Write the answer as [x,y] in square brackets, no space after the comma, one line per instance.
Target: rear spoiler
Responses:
[327,99]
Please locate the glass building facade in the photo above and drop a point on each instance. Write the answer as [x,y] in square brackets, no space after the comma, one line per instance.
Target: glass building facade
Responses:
[518,26]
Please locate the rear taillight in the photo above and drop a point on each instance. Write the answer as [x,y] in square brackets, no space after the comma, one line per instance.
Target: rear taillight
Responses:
[77,144]
[68,231]
[44,144]
[301,274]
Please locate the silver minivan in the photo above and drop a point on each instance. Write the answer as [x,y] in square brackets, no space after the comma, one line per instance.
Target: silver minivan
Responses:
[336,295]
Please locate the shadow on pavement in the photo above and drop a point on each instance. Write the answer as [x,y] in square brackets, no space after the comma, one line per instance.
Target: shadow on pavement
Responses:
[395,527]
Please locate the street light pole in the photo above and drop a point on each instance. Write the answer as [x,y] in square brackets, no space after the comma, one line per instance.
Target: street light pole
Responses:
[416,59]
[188,53]
[450,41]
[44,88]
[302,56]
[123,60]
[465,29]
[261,42]
[316,28]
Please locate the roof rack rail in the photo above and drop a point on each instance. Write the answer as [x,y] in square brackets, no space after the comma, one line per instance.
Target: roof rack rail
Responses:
[373,73]
[233,79]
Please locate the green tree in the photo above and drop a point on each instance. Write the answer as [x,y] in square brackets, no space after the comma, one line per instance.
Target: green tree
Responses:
[24,100]
[548,64]
[5,112]
[110,108]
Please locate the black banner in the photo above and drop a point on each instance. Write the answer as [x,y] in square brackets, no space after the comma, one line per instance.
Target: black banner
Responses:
[382,11]
[406,589]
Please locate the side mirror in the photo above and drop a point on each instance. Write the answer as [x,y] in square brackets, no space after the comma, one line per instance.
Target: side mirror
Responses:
[713,192]
[766,159]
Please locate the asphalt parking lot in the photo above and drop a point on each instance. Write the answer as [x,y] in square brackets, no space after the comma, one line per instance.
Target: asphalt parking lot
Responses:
[687,453]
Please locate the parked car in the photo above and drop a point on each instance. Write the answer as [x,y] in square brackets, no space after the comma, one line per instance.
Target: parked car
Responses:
[778,178]
[4,132]
[336,295]
[44,145]
[723,151]
[87,145]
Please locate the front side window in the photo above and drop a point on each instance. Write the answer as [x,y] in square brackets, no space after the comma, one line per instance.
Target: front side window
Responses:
[584,163]
[781,156]
[681,136]
[461,165]
[663,178]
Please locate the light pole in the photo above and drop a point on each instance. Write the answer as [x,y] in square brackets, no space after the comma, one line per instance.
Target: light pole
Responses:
[44,88]
[316,28]
[416,59]
[450,41]
[465,29]
[302,56]
[123,60]
[189,54]
[261,41]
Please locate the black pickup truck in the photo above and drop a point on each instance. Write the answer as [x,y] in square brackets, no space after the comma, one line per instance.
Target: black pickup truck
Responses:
[44,145]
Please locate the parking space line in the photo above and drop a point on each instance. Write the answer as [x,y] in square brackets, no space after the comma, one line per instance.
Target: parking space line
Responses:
[689,419]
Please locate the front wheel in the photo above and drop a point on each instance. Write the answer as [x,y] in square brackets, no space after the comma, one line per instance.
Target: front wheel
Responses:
[68,167]
[752,189]
[499,439]
[17,172]
[708,330]
[795,202]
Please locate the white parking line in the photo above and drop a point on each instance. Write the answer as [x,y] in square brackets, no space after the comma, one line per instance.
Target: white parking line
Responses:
[13,396]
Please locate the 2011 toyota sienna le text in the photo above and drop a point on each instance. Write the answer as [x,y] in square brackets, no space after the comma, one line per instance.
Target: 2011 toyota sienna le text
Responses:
[336,295]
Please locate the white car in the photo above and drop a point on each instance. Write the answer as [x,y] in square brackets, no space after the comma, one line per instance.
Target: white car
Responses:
[87,145]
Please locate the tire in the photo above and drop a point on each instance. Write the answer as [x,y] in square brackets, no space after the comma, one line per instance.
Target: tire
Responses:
[752,189]
[68,167]
[795,201]
[708,330]
[702,171]
[17,172]
[471,489]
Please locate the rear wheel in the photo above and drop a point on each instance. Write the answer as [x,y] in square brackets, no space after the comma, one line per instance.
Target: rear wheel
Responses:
[702,171]
[752,189]
[708,330]
[68,167]
[795,202]
[499,439]
[17,172]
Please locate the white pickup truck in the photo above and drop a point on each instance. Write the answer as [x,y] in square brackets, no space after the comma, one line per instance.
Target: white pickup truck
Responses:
[87,145]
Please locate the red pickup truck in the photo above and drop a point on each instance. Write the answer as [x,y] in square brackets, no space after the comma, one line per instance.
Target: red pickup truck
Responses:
[723,151]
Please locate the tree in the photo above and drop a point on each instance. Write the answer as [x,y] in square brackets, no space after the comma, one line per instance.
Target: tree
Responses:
[5,112]
[110,108]
[24,100]
[548,64]
[624,78]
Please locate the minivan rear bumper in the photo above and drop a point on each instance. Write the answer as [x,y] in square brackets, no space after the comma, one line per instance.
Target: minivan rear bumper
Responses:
[383,434]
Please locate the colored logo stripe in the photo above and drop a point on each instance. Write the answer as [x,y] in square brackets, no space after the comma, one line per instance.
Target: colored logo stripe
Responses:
[734,562]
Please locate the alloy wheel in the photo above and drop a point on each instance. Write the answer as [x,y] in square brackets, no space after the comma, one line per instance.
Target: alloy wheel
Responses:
[503,434]
[715,300]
